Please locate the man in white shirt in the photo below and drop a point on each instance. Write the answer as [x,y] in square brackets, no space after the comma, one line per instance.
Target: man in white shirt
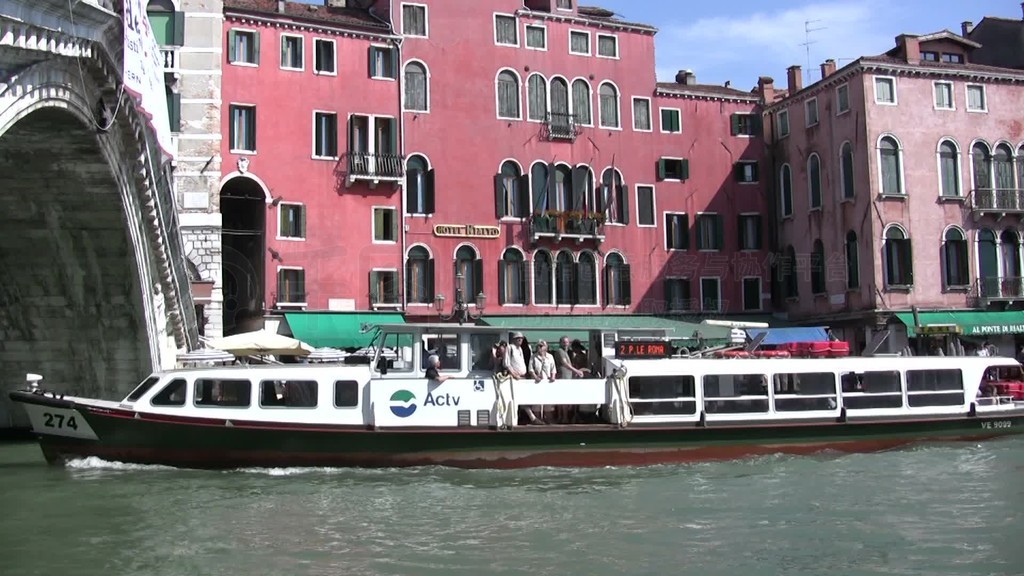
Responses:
[514,360]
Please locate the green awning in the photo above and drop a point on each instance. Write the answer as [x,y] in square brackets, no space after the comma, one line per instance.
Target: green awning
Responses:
[338,329]
[970,323]
[551,328]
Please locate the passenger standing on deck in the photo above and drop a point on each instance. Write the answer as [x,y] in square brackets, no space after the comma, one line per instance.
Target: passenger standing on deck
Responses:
[514,361]
[563,362]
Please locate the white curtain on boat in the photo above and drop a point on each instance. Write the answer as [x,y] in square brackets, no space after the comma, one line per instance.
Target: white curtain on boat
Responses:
[621,410]
[504,402]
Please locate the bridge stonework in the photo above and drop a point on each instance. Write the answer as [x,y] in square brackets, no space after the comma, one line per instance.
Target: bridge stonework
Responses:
[94,291]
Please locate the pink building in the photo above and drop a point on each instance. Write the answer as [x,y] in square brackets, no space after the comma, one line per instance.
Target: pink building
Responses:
[898,186]
[522,152]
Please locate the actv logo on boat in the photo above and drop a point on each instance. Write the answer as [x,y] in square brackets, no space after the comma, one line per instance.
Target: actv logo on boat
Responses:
[403,403]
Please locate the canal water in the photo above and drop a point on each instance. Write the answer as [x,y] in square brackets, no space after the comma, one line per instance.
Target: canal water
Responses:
[935,510]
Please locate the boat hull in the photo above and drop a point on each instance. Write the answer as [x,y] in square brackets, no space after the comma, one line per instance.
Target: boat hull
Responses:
[129,436]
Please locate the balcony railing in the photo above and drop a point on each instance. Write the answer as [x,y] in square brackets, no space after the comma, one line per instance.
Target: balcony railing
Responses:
[560,126]
[559,225]
[169,54]
[1001,288]
[374,167]
[998,200]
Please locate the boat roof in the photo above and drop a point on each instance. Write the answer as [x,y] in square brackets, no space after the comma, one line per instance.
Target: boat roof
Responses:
[429,327]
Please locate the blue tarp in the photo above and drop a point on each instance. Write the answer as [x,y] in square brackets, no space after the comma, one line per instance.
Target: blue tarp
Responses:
[778,336]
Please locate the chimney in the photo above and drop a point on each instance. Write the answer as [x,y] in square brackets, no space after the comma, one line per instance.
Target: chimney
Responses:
[911,47]
[280,6]
[796,79]
[766,86]
[966,27]
[828,68]
[686,77]
[1022,7]
[728,83]
[336,3]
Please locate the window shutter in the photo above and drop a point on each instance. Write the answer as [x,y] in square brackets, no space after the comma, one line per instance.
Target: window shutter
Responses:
[677,122]
[552,196]
[755,170]
[302,221]
[393,139]
[370,69]
[719,221]
[625,285]
[735,119]
[606,286]
[179,29]
[670,303]
[393,56]
[661,169]
[756,125]
[409,295]
[907,257]
[499,196]
[232,52]
[757,232]
[393,216]
[686,292]
[428,192]
[175,116]
[374,291]
[284,51]
[502,297]
[574,284]
[478,279]
[430,280]
[686,169]
[737,171]
[579,187]
[539,192]
[523,206]
[623,195]
[256,46]
[741,229]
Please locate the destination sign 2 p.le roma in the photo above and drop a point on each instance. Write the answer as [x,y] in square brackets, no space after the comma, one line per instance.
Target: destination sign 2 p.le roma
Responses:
[642,349]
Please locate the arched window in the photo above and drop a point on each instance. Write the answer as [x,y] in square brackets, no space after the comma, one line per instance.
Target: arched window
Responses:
[614,197]
[787,271]
[542,272]
[561,198]
[988,263]
[955,271]
[1003,164]
[617,290]
[609,97]
[581,102]
[583,181]
[846,166]
[512,278]
[1020,167]
[814,180]
[510,194]
[891,166]
[508,95]
[539,188]
[898,258]
[981,166]
[537,98]
[1009,246]
[949,170]
[560,98]
[818,268]
[586,279]
[470,268]
[852,261]
[565,279]
[416,88]
[419,186]
[786,191]
[419,276]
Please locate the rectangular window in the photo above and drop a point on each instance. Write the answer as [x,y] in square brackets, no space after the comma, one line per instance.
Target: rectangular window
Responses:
[383,62]
[673,169]
[414,20]
[324,61]
[805,391]
[750,231]
[710,232]
[935,388]
[885,90]
[346,394]
[842,99]
[670,121]
[291,286]
[244,47]
[976,98]
[243,128]
[505,31]
[943,95]
[929,56]
[385,224]
[645,205]
[950,58]
[782,121]
[288,393]
[746,171]
[223,393]
[678,297]
[745,124]
[751,294]
[607,46]
[811,112]
[536,37]
[711,294]
[870,390]
[677,231]
[291,53]
[579,42]
[564,4]
[642,114]
[384,287]
[663,395]
[291,222]
[325,135]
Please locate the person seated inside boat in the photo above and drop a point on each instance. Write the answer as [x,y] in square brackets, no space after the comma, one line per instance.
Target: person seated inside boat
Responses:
[433,367]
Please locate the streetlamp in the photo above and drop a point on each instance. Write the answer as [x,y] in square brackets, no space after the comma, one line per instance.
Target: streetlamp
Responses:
[460,308]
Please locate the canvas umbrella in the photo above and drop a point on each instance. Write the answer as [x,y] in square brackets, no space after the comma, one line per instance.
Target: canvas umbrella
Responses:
[261,343]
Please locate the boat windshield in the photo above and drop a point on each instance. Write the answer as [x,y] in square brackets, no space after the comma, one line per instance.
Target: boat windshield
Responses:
[394,349]
[142,388]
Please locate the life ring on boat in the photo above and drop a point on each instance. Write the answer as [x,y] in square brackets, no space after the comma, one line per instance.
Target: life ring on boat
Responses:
[732,354]
[771,354]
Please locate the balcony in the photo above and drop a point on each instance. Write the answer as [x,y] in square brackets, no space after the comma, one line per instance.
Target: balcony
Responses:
[998,201]
[559,126]
[1000,289]
[169,56]
[374,168]
[567,225]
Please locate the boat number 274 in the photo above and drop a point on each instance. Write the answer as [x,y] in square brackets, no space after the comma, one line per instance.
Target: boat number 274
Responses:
[51,420]
[997,424]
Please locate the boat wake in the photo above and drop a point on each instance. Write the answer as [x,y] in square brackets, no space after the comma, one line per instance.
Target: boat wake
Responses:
[95,463]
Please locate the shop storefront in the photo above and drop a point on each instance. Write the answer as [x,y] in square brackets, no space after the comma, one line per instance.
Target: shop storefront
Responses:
[966,330]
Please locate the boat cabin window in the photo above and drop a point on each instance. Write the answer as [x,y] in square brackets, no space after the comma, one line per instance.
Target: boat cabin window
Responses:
[346,394]
[142,388]
[481,349]
[660,395]
[288,393]
[173,394]
[735,393]
[228,393]
[876,389]
[396,354]
[805,391]
[935,387]
[446,347]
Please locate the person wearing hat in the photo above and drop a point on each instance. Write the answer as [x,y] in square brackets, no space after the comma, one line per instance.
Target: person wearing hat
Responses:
[514,360]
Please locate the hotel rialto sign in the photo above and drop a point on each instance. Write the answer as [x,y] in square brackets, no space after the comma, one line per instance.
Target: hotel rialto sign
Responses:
[466,231]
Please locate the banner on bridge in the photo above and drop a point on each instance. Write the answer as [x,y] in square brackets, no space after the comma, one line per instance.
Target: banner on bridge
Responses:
[144,72]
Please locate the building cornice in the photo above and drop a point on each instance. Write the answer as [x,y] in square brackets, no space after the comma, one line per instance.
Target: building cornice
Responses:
[589,22]
[697,94]
[289,23]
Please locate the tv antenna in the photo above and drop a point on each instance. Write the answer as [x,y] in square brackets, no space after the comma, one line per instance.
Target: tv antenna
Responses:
[808,28]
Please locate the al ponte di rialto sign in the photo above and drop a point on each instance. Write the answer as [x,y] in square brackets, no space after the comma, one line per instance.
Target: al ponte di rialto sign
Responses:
[466,231]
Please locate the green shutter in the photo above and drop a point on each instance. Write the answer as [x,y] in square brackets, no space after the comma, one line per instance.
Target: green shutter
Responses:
[551,195]
[284,52]
[174,111]
[686,169]
[369,68]
[579,187]
[523,209]
[737,171]
[677,121]
[256,46]
[232,53]
[757,124]
[667,289]
[302,221]
[735,119]
[907,256]
[606,286]
[661,169]
[539,191]
[374,292]
[429,193]
[623,194]
[757,231]
[393,53]
[478,279]
[574,284]
[740,220]
[393,136]
[499,196]
[378,224]
[179,29]
[430,280]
